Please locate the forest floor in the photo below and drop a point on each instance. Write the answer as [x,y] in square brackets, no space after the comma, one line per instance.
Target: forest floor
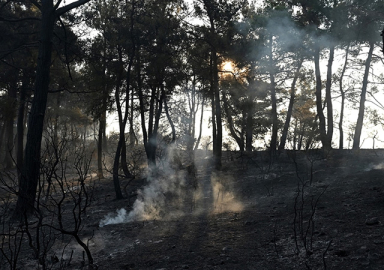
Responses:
[303,211]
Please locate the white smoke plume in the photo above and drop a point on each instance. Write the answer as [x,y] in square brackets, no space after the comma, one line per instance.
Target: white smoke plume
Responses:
[170,193]
[162,197]
[111,219]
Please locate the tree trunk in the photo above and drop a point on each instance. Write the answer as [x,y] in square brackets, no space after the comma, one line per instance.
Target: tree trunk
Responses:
[193,107]
[124,162]
[320,113]
[151,143]
[100,138]
[31,169]
[273,143]
[8,125]
[290,107]
[219,123]
[153,137]
[2,131]
[115,171]
[294,139]
[132,135]
[360,119]
[341,136]
[170,120]
[249,112]
[120,151]
[239,141]
[213,120]
[116,162]
[215,91]
[249,130]
[9,142]
[328,96]
[103,113]
[201,125]
[20,125]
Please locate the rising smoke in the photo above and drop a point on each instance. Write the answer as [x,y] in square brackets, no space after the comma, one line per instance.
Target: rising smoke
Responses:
[170,194]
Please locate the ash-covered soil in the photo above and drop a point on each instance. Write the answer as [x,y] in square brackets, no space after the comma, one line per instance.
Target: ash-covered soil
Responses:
[343,207]
[301,211]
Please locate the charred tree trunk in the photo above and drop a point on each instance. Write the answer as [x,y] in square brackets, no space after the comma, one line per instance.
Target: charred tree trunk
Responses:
[132,135]
[290,107]
[20,125]
[319,107]
[101,142]
[213,120]
[382,34]
[360,119]
[200,126]
[120,154]
[100,139]
[193,107]
[169,120]
[342,92]
[328,96]
[249,131]
[31,169]
[141,104]
[124,162]
[154,126]
[238,139]
[116,161]
[214,83]
[249,118]
[219,122]
[294,139]
[2,131]
[9,122]
[273,143]
[151,143]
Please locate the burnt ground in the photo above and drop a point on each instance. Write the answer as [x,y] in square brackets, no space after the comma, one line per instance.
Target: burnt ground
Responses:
[303,211]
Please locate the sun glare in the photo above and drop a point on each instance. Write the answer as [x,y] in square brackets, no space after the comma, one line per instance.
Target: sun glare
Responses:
[228,66]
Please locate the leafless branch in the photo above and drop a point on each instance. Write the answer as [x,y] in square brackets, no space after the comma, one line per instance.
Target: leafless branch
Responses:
[62,10]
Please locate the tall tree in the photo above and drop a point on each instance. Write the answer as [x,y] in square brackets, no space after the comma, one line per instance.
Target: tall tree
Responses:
[342,105]
[159,66]
[360,118]
[17,53]
[368,24]
[316,17]
[290,105]
[50,13]
[218,33]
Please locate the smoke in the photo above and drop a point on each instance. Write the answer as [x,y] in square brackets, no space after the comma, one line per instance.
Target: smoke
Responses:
[170,193]
[286,35]
[290,37]
[111,219]
[161,198]
[224,199]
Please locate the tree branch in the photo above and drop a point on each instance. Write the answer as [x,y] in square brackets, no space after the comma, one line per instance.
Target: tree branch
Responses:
[57,4]
[70,6]
[36,4]
[2,19]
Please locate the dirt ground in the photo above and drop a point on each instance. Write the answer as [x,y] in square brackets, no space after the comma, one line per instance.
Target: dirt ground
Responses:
[302,211]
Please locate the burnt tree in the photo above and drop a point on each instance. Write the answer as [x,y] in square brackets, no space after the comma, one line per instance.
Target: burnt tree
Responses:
[50,13]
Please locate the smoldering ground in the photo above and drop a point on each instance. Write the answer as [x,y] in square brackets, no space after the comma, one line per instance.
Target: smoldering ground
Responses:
[172,192]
